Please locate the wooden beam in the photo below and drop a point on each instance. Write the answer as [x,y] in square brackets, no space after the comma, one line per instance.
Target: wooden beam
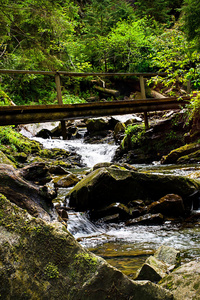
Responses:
[76,74]
[13,115]
[143,94]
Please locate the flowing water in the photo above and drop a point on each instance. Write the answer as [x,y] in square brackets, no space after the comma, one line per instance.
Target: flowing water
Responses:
[127,247]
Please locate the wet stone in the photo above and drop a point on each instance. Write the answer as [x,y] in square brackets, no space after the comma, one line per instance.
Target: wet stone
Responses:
[147,219]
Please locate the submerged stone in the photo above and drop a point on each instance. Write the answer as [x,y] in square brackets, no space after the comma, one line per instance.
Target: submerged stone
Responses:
[148,219]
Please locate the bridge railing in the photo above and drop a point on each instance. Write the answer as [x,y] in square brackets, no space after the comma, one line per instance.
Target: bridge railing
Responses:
[58,74]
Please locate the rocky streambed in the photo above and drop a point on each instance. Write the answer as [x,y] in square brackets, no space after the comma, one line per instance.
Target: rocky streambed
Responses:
[115,201]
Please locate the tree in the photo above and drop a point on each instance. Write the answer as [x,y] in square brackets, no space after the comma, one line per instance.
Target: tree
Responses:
[191,18]
[161,10]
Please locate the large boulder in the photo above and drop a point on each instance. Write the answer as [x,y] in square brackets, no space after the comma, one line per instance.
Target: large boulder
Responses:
[105,186]
[184,282]
[41,260]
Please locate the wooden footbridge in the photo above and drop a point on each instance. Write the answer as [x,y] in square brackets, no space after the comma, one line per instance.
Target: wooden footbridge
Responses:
[23,114]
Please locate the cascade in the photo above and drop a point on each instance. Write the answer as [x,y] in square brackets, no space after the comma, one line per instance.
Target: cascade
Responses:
[114,241]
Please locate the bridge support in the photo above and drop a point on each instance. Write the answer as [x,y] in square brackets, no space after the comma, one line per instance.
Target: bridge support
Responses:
[143,95]
[59,97]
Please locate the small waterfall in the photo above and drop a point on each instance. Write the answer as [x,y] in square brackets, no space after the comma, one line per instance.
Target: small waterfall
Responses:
[80,226]
[90,153]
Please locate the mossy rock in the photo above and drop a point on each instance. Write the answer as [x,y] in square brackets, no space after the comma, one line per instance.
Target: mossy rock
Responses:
[40,260]
[193,157]
[104,186]
[5,160]
[184,282]
[175,155]
[153,270]
[12,142]
[54,153]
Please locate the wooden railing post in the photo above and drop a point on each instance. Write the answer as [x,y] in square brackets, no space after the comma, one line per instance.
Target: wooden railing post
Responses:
[143,95]
[59,97]
[188,86]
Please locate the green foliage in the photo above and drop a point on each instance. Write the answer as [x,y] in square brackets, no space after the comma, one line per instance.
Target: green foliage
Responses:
[157,9]
[162,11]
[126,46]
[134,135]
[194,106]
[88,36]
[4,98]
[72,99]
[171,53]
[191,18]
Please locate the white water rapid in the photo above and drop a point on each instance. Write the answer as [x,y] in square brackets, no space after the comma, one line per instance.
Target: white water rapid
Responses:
[91,153]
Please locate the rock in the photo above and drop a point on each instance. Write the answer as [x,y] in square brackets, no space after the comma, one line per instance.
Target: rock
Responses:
[38,173]
[176,154]
[44,133]
[170,205]
[30,130]
[101,165]
[97,124]
[119,131]
[21,157]
[121,210]
[184,282]
[148,219]
[193,157]
[168,255]
[100,187]
[156,267]
[58,170]
[37,200]
[151,145]
[153,270]
[40,260]
[63,157]
[5,160]
[66,180]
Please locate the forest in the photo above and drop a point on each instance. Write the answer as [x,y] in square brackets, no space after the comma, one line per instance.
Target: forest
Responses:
[96,36]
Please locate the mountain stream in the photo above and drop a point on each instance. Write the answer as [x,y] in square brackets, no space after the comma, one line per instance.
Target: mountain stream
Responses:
[126,247]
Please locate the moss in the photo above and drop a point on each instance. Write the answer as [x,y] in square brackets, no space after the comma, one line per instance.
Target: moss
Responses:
[54,153]
[12,142]
[51,271]
[196,285]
